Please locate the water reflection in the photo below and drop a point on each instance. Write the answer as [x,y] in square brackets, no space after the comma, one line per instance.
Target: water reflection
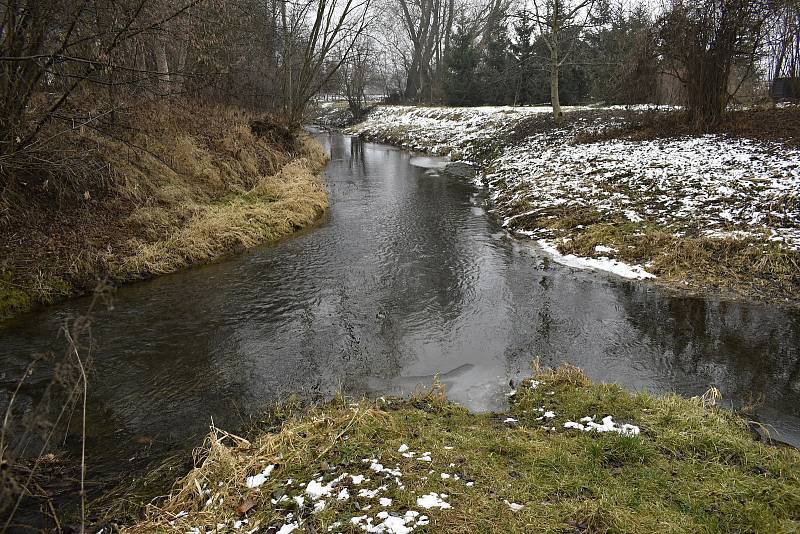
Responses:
[405,279]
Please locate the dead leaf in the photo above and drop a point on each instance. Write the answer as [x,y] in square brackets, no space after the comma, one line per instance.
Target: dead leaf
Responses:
[145,440]
[245,507]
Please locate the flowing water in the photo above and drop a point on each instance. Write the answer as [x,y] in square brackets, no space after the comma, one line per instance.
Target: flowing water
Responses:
[405,278]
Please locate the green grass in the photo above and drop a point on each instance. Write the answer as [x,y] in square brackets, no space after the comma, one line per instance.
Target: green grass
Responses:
[756,268]
[13,300]
[17,297]
[693,468]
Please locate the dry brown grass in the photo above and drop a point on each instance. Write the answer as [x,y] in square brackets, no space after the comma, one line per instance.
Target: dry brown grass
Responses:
[225,460]
[183,187]
[277,206]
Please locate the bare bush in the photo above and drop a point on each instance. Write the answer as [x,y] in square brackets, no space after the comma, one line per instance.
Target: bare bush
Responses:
[355,77]
[711,46]
[28,434]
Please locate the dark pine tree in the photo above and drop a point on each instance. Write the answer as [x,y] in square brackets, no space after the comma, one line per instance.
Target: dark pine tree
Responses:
[524,61]
[496,68]
[460,84]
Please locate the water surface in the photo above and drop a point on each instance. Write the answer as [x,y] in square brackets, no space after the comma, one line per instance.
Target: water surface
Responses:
[407,277]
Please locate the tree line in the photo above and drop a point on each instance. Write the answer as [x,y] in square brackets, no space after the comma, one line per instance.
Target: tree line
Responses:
[72,66]
[698,54]
[68,66]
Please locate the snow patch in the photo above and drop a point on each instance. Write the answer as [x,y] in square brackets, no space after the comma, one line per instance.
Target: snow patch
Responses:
[432,500]
[607,425]
[259,479]
[624,270]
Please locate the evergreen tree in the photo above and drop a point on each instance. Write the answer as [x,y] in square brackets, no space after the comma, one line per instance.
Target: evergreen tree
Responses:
[621,54]
[460,84]
[496,67]
[523,55]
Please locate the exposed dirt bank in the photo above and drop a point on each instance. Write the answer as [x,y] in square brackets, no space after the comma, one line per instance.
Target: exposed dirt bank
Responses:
[172,188]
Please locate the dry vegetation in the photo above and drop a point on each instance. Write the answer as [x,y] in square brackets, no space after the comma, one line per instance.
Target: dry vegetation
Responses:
[692,468]
[774,124]
[165,188]
[731,267]
[735,267]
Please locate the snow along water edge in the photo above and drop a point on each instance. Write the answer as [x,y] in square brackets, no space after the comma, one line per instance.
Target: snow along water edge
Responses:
[710,185]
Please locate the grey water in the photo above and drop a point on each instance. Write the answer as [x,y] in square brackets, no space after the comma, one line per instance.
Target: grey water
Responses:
[405,278]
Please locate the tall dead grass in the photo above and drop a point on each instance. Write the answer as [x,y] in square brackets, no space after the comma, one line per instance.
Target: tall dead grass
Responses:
[183,186]
[224,461]
[277,206]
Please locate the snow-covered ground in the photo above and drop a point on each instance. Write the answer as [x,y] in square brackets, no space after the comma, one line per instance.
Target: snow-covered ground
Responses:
[709,185]
[444,130]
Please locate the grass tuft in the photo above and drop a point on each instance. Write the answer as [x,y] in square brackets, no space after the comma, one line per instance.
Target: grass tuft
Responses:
[693,467]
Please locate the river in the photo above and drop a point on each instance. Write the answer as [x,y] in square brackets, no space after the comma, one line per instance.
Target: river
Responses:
[405,278]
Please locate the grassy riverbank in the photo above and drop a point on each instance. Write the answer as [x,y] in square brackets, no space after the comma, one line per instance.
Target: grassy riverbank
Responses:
[663,464]
[633,191]
[172,188]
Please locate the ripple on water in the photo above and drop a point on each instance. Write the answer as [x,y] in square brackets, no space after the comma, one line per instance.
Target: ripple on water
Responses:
[406,278]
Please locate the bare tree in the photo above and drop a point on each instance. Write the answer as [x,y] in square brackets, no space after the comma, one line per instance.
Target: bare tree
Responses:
[428,29]
[701,43]
[312,31]
[355,77]
[422,21]
[560,23]
[54,54]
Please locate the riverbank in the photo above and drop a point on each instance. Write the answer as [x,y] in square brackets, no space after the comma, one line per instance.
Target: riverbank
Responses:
[567,456]
[168,188]
[632,192]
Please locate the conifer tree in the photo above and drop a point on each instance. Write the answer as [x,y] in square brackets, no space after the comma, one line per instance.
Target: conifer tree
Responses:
[496,69]
[461,87]
[523,55]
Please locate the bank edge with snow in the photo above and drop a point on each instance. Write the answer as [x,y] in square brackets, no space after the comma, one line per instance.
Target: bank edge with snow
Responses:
[708,187]
[565,453]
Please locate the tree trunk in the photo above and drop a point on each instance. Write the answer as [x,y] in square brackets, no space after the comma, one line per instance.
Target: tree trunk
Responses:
[413,81]
[162,66]
[178,75]
[554,86]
